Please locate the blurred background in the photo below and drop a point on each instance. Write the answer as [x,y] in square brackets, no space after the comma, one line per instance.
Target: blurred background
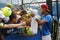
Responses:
[54,6]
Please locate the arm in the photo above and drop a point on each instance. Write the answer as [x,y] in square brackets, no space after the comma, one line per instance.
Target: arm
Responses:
[40,22]
[14,25]
[44,20]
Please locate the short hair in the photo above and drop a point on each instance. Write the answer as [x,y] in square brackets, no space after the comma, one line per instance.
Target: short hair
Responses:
[24,12]
[12,16]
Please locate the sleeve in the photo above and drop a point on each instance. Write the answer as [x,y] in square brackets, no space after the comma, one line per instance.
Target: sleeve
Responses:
[48,18]
[1,15]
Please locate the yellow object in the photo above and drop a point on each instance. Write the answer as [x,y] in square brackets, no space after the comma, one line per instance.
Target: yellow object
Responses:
[41,28]
[39,16]
[26,16]
[29,33]
[1,25]
[11,5]
[6,11]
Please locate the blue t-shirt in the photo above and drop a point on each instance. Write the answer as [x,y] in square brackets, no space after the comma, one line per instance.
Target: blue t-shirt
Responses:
[46,27]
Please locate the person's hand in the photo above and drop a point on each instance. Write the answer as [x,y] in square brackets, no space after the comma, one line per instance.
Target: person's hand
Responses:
[23,23]
[32,14]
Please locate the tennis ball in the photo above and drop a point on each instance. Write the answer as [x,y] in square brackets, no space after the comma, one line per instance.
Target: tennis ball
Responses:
[40,28]
[1,25]
[29,32]
[6,11]
[27,28]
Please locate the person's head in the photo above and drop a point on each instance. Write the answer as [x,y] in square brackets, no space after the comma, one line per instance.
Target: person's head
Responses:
[13,18]
[21,20]
[34,12]
[22,12]
[44,8]
[15,10]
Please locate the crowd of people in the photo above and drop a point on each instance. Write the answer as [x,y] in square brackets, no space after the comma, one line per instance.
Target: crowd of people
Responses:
[25,24]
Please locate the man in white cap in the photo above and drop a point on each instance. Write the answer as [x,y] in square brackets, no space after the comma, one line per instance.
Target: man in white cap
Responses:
[34,28]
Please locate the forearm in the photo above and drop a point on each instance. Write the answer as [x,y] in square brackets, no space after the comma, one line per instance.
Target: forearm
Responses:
[13,25]
[9,26]
[39,21]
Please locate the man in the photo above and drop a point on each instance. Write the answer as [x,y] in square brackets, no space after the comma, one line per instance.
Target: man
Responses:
[10,32]
[2,25]
[46,22]
[11,25]
[13,20]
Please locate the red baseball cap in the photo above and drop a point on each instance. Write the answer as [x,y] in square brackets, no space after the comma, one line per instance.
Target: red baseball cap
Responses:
[45,6]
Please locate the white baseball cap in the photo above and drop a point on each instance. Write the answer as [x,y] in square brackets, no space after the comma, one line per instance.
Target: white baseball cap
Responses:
[1,14]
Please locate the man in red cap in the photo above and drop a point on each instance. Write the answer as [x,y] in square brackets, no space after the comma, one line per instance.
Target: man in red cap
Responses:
[46,22]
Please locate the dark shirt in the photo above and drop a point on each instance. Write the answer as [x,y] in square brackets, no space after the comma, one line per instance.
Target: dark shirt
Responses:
[7,31]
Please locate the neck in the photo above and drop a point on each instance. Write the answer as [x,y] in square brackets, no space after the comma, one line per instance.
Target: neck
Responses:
[44,13]
[11,22]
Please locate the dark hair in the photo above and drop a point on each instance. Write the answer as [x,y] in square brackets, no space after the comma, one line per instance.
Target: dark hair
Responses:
[12,16]
[9,6]
[23,12]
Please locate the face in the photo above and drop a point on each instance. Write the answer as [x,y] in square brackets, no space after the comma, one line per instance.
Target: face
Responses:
[22,21]
[15,19]
[42,10]
[20,14]
[15,10]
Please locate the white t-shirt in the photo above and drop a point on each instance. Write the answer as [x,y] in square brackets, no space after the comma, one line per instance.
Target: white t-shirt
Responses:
[6,19]
[34,24]
[1,14]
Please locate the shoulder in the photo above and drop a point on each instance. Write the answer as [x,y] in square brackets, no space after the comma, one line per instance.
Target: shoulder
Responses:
[48,16]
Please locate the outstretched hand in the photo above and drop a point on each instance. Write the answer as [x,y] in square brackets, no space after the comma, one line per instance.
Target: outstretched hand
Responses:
[32,14]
